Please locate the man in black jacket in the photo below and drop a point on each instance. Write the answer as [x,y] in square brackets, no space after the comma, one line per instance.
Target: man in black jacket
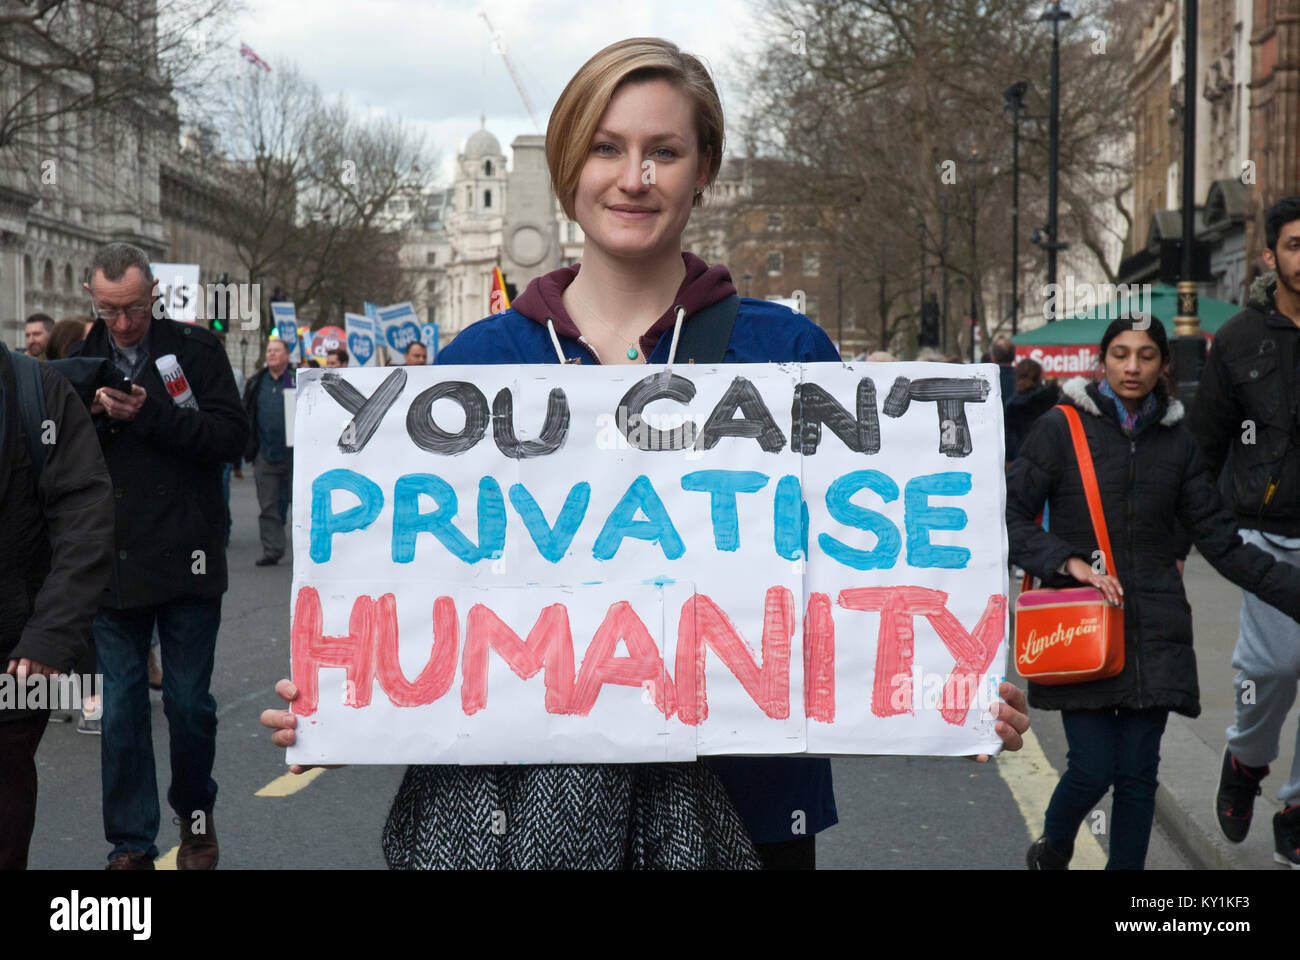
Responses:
[165,452]
[1247,420]
[56,543]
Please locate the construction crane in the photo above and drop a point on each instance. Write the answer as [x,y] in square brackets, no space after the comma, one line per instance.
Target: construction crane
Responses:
[500,47]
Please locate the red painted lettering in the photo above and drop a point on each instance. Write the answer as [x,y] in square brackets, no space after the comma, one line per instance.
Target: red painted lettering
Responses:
[819,660]
[549,644]
[703,623]
[436,677]
[892,690]
[310,651]
[642,666]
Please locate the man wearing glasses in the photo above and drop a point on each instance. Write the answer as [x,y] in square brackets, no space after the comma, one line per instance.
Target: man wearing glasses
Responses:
[169,558]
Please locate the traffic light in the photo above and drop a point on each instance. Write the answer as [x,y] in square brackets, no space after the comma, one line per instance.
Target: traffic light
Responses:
[220,319]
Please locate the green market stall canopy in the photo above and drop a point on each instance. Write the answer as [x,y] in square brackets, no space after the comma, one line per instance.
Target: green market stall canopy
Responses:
[1069,346]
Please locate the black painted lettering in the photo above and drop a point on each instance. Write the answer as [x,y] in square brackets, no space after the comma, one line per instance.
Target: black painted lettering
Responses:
[813,407]
[657,386]
[366,412]
[555,428]
[756,421]
[950,394]
[427,435]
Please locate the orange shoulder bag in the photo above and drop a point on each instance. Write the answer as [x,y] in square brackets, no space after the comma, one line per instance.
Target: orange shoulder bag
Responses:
[1072,635]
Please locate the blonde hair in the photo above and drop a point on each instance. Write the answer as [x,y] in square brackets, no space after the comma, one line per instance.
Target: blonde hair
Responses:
[578,111]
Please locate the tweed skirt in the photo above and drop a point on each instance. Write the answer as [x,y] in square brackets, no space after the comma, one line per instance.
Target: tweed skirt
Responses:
[650,816]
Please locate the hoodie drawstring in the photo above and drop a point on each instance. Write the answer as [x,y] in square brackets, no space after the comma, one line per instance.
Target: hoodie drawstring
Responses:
[672,349]
[555,340]
[677,332]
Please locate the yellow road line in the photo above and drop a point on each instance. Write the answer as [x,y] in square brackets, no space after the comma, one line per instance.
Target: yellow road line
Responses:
[1032,778]
[167,861]
[289,783]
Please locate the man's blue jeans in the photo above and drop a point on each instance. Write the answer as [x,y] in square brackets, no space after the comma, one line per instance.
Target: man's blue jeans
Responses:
[1120,747]
[188,633]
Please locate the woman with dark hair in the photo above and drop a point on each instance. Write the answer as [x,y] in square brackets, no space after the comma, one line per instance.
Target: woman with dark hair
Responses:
[1150,476]
[1032,399]
[637,106]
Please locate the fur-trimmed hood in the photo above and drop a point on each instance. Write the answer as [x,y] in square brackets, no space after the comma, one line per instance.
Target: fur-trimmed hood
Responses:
[1261,290]
[1076,388]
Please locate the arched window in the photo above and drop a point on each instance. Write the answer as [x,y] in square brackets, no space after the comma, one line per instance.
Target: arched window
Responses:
[469,198]
[487,198]
[67,278]
[487,168]
[27,270]
[47,276]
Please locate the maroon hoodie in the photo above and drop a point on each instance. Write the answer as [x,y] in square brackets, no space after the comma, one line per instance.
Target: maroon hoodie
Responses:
[702,287]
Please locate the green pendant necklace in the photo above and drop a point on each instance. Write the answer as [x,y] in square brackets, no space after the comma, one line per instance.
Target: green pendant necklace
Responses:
[632,353]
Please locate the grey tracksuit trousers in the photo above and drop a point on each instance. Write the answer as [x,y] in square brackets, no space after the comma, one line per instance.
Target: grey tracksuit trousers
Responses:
[1267,658]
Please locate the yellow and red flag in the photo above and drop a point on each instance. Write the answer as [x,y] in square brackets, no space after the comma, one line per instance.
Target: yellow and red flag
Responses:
[498,300]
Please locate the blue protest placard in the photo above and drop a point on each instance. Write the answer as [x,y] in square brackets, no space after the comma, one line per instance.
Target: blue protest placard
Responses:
[361,340]
[398,328]
[284,316]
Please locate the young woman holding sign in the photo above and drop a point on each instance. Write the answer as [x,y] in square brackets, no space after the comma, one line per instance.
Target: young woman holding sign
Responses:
[632,143]
[1151,478]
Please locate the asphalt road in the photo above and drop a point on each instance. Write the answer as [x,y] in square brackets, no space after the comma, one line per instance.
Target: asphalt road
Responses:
[895,812]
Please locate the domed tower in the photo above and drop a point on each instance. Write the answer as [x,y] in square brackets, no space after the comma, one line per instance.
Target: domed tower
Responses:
[481,175]
[474,228]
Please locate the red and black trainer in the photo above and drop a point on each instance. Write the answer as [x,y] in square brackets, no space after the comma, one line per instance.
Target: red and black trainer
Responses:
[1286,837]
[1234,804]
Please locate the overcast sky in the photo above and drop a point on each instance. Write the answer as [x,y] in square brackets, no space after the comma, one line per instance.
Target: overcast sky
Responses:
[431,61]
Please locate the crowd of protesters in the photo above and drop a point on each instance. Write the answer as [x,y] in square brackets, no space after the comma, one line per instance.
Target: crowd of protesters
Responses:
[130,512]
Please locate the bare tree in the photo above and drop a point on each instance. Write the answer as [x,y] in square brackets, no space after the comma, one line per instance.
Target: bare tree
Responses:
[69,67]
[312,183]
[886,113]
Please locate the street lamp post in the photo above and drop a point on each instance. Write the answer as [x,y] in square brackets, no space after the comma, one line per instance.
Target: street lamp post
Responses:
[1013,105]
[1054,15]
[1188,347]
[973,159]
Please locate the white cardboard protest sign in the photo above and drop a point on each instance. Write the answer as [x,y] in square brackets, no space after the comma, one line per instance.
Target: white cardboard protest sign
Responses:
[179,290]
[558,563]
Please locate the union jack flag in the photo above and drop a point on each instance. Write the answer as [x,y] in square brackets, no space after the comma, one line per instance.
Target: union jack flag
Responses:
[247,53]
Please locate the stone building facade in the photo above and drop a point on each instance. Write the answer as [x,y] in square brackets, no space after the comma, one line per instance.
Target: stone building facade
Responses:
[57,206]
[1247,133]
[494,214]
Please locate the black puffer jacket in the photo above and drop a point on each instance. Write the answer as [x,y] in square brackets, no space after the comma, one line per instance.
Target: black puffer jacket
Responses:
[1146,484]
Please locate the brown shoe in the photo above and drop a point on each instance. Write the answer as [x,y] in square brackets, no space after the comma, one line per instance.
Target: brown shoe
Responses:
[131,860]
[198,851]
